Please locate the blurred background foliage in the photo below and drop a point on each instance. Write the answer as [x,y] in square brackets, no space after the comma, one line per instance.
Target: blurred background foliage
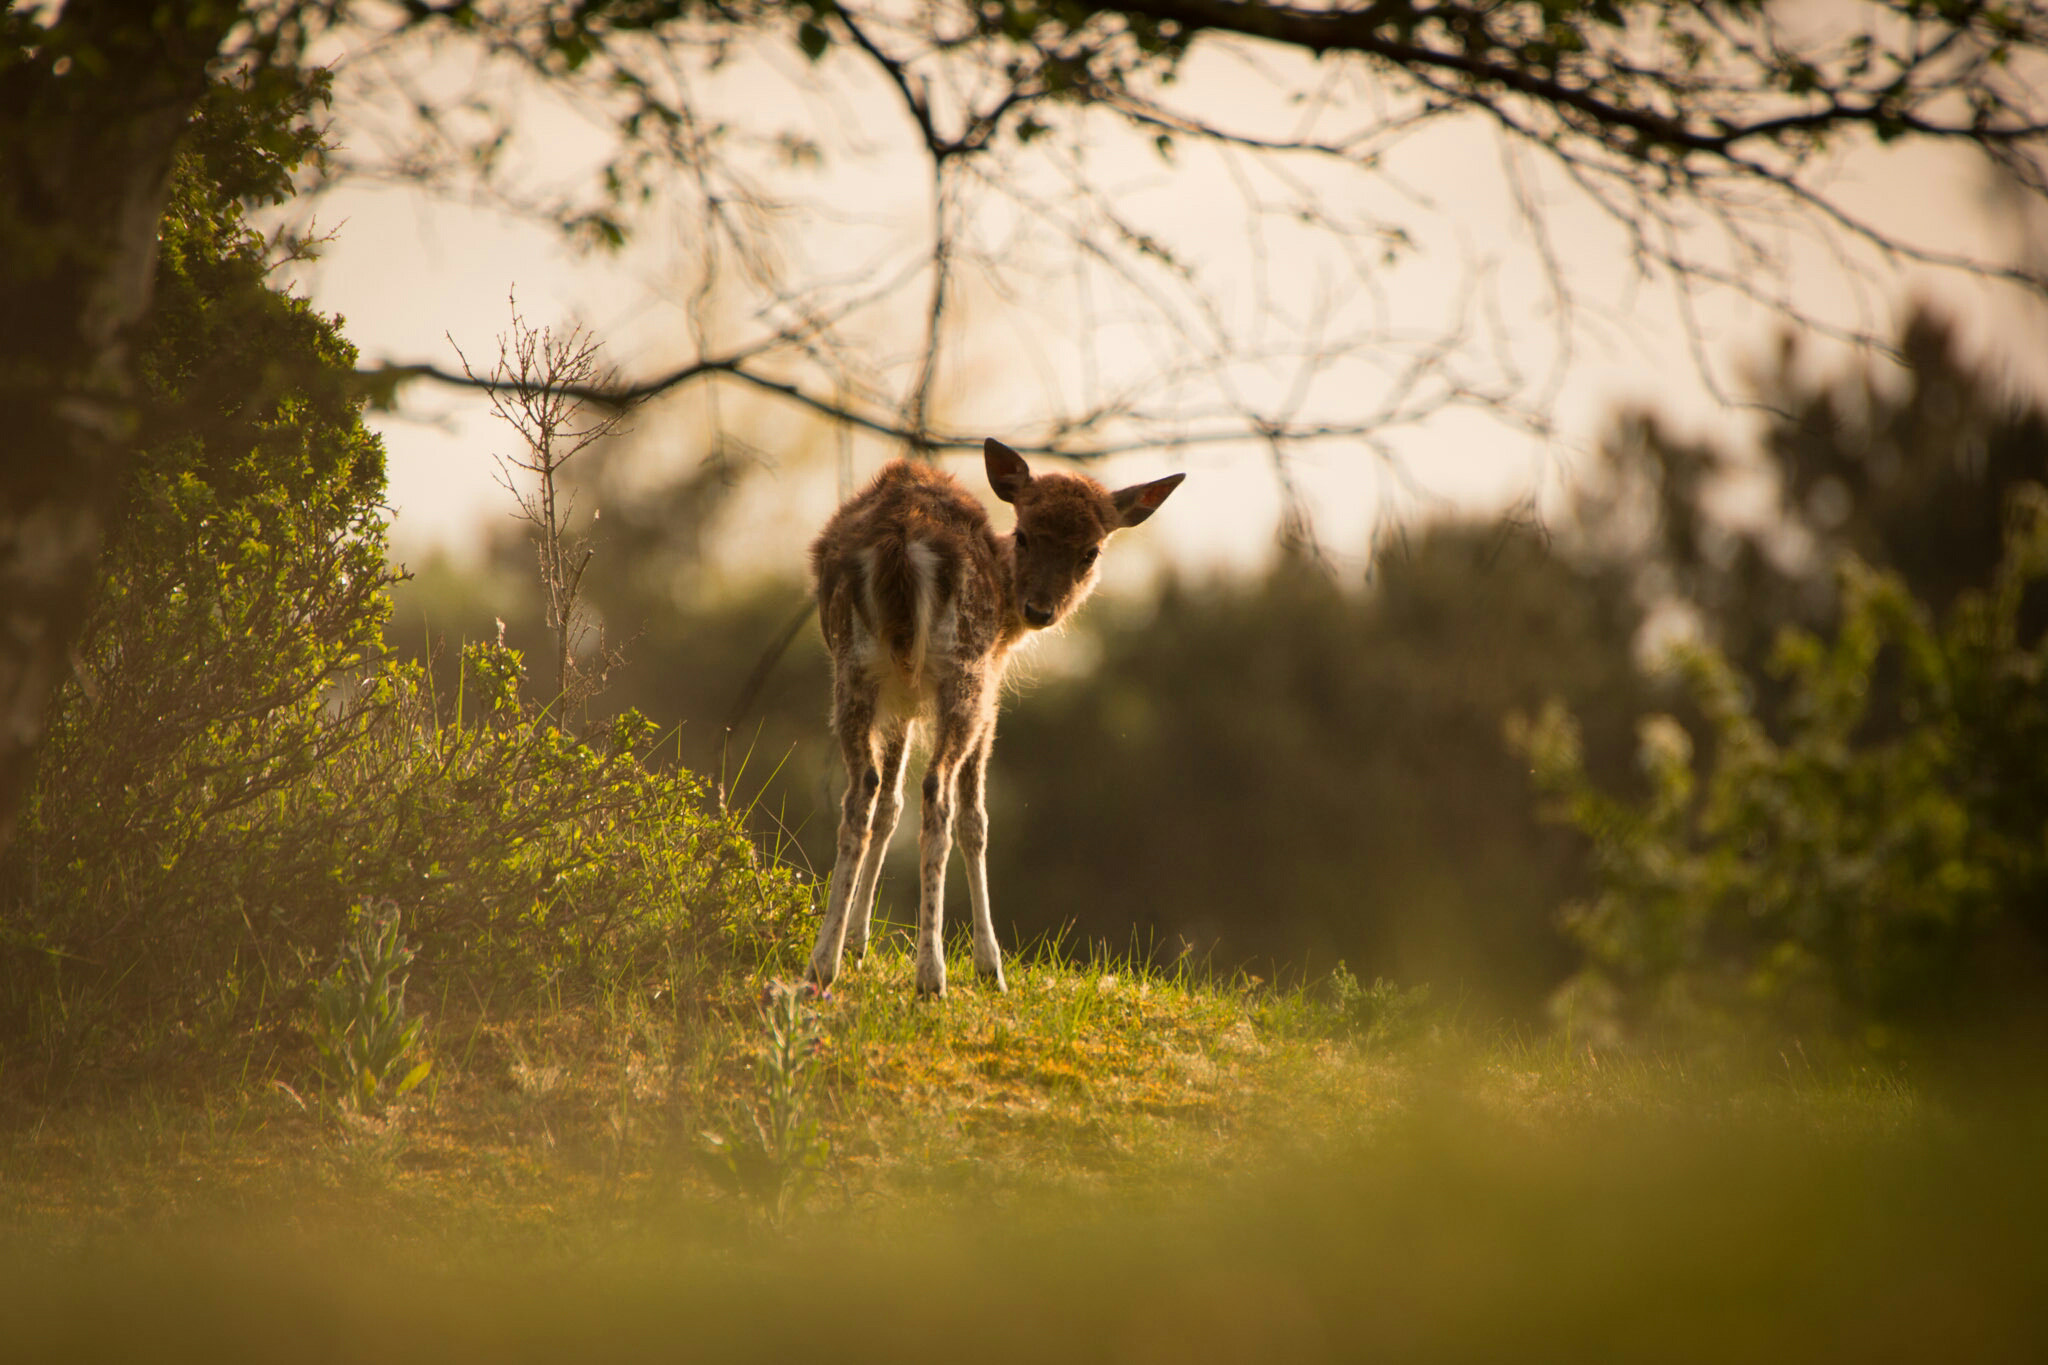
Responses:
[1847,820]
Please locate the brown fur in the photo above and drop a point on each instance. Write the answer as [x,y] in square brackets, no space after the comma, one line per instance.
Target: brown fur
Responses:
[921,603]
[906,504]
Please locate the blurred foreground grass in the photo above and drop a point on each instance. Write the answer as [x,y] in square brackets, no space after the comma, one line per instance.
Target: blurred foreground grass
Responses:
[1101,1165]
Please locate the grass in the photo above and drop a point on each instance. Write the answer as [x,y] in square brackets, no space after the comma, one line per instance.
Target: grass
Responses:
[1105,1163]
[1080,1076]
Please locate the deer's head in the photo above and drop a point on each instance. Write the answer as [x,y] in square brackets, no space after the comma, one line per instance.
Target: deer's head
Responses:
[1062,520]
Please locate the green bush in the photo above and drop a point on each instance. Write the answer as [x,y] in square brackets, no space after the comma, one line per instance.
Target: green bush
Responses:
[1877,863]
[514,846]
[513,849]
[243,572]
[245,568]
[236,762]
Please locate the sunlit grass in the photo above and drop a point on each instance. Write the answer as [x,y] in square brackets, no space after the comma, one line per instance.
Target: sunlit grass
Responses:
[1091,1073]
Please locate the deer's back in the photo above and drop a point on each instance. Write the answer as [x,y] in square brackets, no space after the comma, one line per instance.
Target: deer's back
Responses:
[908,574]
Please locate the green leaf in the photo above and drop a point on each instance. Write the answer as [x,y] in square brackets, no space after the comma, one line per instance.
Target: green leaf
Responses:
[414,1077]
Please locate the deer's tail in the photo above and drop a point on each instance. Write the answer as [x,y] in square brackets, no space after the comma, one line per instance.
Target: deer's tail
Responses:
[904,587]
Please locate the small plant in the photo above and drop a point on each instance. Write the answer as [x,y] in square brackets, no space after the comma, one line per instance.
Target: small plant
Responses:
[360,1024]
[1378,1015]
[786,1151]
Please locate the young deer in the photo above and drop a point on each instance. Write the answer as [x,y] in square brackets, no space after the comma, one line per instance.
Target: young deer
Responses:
[921,603]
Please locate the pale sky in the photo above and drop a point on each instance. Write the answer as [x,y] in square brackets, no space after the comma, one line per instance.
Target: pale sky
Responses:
[408,271]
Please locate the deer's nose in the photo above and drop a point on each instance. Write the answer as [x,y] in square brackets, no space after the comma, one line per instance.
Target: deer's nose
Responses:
[1037,616]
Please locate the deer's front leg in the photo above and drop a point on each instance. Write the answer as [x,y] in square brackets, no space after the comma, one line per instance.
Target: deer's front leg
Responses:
[988,954]
[952,741]
[934,846]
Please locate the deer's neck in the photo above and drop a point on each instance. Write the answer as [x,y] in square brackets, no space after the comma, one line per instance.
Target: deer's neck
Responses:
[1012,630]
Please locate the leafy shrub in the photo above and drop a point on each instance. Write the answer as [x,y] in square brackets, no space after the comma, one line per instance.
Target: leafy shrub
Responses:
[245,568]
[244,571]
[1882,865]
[514,846]
[513,849]
[236,763]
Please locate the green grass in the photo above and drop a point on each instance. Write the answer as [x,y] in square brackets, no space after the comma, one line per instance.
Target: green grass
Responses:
[1079,1076]
[1105,1163]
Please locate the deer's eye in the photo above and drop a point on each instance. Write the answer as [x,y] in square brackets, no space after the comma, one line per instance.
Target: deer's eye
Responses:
[1021,542]
[1089,557]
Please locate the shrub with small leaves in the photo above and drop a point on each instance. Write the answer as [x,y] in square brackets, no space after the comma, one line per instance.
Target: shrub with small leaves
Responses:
[235,754]
[360,1023]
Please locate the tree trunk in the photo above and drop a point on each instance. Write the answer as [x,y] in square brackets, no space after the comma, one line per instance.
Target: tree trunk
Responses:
[89,122]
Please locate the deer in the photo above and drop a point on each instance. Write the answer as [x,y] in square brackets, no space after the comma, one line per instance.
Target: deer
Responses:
[922,605]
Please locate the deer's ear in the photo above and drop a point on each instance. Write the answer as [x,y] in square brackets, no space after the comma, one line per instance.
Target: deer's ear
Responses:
[1141,501]
[1007,472]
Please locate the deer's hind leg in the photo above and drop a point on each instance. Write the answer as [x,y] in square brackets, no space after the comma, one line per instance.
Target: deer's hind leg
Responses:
[854,696]
[895,745]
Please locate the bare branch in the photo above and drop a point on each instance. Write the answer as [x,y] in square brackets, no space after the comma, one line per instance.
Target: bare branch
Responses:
[537,388]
